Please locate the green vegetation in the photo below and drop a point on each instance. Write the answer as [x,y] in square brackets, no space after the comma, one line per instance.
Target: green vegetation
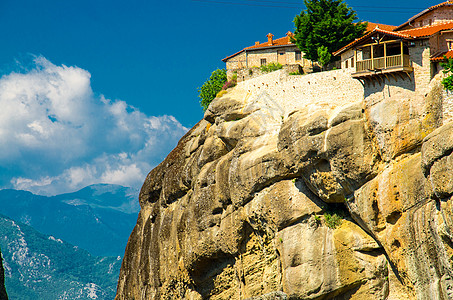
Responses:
[295,73]
[332,220]
[270,67]
[52,269]
[327,23]
[448,68]
[209,90]
[324,56]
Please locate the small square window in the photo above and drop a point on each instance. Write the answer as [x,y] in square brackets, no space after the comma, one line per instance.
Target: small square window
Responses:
[450,45]
[298,55]
[263,61]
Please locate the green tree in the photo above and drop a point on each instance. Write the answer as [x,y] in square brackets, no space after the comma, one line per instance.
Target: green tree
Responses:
[328,23]
[211,87]
[324,56]
[448,68]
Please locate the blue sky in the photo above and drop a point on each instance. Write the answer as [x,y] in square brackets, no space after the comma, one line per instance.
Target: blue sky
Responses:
[101,90]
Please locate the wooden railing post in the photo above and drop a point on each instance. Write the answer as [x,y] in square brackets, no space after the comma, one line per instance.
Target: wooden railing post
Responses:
[372,57]
[402,53]
[385,55]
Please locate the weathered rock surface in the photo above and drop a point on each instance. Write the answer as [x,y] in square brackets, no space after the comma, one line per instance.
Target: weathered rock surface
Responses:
[3,295]
[258,202]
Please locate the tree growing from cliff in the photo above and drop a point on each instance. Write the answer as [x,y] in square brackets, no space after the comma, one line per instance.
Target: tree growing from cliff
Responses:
[328,23]
[208,91]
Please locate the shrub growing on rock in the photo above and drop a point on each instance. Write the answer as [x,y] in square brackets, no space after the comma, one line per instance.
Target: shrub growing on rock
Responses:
[208,91]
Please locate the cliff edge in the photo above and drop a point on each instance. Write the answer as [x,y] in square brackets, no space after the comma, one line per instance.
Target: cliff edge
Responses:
[3,295]
[308,198]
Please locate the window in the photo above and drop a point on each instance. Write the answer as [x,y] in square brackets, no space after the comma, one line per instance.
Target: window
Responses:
[352,62]
[298,55]
[450,45]
[263,61]
[346,64]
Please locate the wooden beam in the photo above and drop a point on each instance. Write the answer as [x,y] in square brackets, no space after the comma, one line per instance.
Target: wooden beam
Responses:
[385,56]
[398,73]
[386,42]
[402,51]
[394,77]
[372,57]
[408,75]
[378,77]
[387,77]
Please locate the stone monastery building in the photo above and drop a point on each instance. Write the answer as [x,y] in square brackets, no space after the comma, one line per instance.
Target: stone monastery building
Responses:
[417,45]
[384,52]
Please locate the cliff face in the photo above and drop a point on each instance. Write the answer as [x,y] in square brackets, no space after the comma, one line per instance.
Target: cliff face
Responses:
[265,199]
[3,295]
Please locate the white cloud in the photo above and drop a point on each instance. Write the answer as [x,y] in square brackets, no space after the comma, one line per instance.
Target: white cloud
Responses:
[56,136]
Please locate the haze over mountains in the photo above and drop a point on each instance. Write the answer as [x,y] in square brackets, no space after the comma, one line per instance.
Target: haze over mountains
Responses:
[98,218]
[45,241]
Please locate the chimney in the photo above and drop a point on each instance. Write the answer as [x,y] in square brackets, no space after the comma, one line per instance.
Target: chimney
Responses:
[257,43]
[289,34]
[270,39]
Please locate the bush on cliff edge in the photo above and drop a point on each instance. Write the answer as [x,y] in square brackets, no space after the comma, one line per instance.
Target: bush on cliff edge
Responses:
[208,91]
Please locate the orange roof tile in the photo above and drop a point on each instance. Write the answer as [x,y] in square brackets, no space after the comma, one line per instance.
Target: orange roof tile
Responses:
[276,43]
[447,3]
[372,26]
[369,34]
[427,30]
[440,57]
[284,41]
[420,32]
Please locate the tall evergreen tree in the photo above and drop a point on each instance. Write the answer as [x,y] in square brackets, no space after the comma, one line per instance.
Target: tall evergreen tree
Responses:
[328,23]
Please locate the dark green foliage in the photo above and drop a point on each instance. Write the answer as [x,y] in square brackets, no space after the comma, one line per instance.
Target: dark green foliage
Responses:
[271,67]
[326,23]
[211,87]
[448,68]
[324,56]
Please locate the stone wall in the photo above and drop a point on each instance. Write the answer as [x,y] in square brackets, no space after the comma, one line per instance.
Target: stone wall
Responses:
[439,15]
[249,73]
[317,90]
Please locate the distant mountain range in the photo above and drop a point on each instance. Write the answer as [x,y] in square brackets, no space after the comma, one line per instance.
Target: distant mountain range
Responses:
[44,241]
[98,218]
[43,267]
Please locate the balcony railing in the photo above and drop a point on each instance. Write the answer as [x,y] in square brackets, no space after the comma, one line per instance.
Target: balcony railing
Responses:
[383,63]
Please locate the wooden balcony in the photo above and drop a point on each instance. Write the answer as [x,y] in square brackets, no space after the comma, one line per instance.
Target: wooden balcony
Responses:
[383,65]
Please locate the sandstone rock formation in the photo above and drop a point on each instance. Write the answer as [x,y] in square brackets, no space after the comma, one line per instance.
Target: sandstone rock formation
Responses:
[346,201]
[3,295]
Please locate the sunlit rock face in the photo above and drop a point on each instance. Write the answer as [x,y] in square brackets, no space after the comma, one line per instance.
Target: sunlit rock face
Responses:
[262,200]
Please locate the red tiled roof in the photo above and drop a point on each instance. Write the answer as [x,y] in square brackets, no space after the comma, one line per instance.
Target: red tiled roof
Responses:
[372,26]
[440,56]
[284,41]
[369,34]
[427,30]
[420,32]
[276,43]
[447,3]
